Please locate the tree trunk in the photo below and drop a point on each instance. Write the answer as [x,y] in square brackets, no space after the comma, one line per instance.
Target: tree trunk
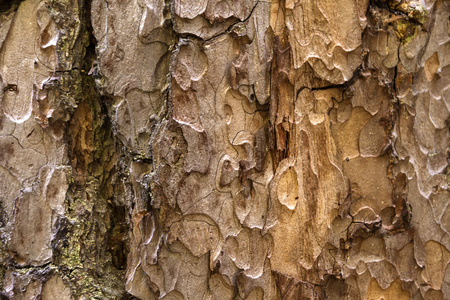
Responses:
[194,149]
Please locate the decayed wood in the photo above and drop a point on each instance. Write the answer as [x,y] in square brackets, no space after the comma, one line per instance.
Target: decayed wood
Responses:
[181,149]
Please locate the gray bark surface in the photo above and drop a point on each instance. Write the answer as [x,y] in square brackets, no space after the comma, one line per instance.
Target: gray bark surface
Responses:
[206,149]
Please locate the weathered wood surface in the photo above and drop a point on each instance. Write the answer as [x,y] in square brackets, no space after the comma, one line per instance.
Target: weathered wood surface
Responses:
[206,149]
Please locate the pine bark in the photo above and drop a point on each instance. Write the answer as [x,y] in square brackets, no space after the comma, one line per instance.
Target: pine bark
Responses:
[205,149]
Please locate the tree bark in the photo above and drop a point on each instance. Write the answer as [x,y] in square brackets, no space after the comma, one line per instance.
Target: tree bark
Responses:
[205,149]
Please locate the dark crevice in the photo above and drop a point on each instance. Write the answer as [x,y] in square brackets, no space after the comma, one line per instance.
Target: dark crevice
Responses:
[33,269]
[187,35]
[356,74]
[90,243]
[289,287]
[7,6]
[387,5]
[140,158]
[67,71]
[229,29]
